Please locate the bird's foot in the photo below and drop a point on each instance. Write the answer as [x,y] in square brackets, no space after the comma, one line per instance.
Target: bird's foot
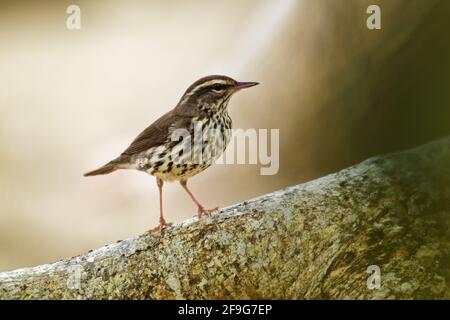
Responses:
[163,225]
[206,212]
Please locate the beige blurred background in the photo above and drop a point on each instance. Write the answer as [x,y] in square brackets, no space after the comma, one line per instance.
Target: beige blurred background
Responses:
[72,100]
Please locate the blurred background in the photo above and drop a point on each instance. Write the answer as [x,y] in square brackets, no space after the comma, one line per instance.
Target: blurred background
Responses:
[72,100]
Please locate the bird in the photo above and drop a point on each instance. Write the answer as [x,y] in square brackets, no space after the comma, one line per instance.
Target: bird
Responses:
[185,141]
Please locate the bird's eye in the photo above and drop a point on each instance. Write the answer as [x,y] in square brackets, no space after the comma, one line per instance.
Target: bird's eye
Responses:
[218,88]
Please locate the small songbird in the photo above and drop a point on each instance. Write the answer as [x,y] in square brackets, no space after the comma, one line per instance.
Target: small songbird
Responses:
[184,141]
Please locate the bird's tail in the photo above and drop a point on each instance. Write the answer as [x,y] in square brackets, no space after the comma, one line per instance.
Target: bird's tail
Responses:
[107,168]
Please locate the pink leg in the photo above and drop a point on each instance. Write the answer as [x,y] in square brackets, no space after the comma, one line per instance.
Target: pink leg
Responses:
[201,209]
[162,222]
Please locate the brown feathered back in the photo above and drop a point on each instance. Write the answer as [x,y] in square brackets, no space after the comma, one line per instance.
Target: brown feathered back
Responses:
[153,135]
[157,133]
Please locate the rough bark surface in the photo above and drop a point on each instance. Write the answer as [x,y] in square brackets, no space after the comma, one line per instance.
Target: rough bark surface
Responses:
[310,241]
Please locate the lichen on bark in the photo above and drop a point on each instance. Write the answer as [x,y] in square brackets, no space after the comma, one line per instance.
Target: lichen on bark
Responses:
[310,241]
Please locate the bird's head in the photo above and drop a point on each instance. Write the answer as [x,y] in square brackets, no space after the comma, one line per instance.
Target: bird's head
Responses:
[212,93]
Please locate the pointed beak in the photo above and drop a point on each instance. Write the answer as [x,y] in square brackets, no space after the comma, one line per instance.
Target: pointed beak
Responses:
[243,85]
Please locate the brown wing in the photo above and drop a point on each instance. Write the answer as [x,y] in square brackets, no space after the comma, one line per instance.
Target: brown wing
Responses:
[156,134]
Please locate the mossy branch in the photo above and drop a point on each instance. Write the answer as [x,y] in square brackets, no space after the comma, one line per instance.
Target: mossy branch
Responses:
[311,241]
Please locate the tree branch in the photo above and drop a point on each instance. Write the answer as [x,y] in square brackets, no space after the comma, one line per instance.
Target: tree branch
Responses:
[310,241]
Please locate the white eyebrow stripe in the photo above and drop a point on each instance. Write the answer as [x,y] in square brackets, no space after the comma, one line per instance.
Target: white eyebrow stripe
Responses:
[207,84]
[203,85]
